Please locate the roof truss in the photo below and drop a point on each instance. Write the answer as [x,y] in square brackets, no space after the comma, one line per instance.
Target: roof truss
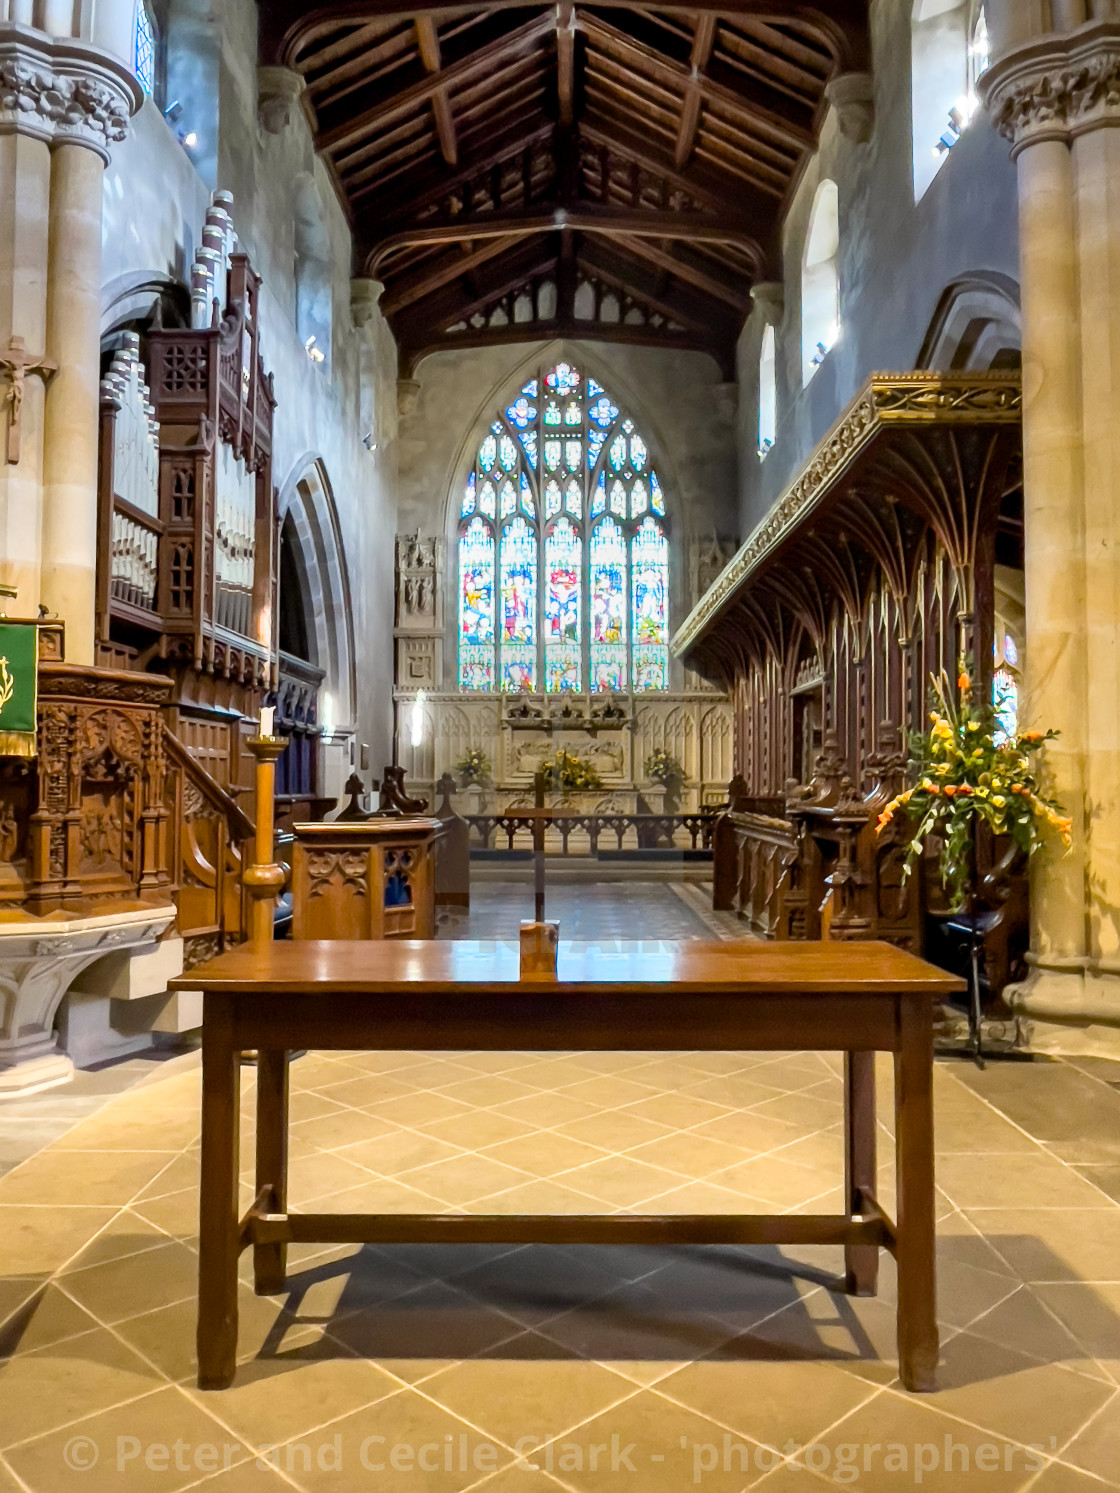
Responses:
[634,160]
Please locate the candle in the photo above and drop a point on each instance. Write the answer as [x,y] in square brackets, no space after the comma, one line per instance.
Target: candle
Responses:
[268,715]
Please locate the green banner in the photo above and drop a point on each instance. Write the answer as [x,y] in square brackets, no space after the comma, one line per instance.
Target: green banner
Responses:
[19,680]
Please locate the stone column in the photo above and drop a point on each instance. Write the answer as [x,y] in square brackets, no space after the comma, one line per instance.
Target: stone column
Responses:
[72,100]
[1052,96]
[69,577]
[1096,171]
[24,195]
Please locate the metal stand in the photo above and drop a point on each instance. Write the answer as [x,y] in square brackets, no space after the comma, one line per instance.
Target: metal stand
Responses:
[972,928]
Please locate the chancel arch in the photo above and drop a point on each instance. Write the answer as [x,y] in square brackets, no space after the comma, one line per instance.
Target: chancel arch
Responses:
[563,545]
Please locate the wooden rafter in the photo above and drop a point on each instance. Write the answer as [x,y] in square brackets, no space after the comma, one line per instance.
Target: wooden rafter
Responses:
[703,39]
[433,187]
[587,218]
[287,25]
[483,147]
[565,63]
[427,38]
[789,132]
[440,273]
[691,274]
[477,64]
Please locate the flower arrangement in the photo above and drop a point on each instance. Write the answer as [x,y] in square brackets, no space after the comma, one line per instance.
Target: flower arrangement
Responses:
[473,767]
[571,774]
[663,768]
[968,769]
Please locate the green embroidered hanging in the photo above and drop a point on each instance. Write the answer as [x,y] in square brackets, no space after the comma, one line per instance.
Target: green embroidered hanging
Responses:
[19,683]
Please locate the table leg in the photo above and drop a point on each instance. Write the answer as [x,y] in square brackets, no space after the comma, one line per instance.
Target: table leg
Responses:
[861,1261]
[918,1347]
[218,1223]
[270,1260]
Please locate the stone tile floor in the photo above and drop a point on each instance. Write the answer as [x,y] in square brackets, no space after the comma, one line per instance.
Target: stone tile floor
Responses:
[710,1366]
[532,1370]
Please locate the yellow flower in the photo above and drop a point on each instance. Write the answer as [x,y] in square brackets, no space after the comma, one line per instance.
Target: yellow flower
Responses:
[998,801]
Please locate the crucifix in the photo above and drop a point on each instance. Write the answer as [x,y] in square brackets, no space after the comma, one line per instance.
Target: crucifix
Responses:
[17,363]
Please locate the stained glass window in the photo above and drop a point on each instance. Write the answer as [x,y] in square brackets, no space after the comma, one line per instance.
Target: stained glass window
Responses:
[519,606]
[1005,688]
[563,547]
[476,607]
[468,498]
[144,49]
[649,565]
[564,569]
[608,606]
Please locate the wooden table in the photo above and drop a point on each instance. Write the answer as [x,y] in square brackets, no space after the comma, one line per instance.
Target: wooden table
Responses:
[855,998]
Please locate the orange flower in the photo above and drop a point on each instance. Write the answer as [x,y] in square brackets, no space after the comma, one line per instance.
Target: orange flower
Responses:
[949,790]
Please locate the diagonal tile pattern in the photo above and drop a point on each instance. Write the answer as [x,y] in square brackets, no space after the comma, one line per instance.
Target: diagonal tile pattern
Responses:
[548,1368]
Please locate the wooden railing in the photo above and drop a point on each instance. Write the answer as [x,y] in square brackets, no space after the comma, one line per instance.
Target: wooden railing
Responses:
[210,843]
[629,831]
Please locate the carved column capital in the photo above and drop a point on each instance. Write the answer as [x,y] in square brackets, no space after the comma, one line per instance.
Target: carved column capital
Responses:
[1056,88]
[364,296]
[279,91]
[852,96]
[770,298]
[408,392]
[64,91]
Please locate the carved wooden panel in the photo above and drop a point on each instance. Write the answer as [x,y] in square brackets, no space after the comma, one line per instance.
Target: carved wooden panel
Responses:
[371,879]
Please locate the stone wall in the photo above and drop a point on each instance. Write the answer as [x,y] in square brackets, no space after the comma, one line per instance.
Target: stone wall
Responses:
[896,260]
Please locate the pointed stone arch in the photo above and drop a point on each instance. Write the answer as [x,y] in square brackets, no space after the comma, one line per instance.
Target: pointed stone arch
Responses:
[307,504]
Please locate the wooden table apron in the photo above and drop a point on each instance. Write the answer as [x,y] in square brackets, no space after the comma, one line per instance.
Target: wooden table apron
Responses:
[694,997]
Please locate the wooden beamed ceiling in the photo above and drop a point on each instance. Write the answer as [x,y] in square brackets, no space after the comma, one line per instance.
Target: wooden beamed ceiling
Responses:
[513,171]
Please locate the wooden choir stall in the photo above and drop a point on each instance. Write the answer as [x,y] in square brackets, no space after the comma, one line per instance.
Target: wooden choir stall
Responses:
[894,554]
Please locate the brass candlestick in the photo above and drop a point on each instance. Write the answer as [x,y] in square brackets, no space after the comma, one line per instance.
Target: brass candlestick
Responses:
[264,879]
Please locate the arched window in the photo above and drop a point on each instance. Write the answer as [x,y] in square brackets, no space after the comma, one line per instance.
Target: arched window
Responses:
[820,283]
[144,48]
[767,391]
[949,51]
[563,548]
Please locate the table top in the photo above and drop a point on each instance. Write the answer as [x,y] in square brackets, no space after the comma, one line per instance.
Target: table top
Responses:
[346,967]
